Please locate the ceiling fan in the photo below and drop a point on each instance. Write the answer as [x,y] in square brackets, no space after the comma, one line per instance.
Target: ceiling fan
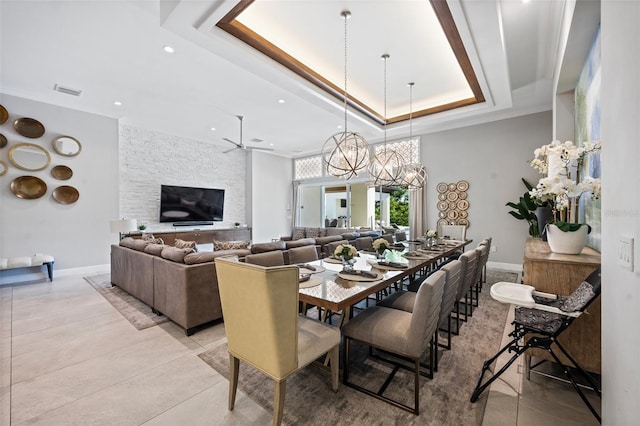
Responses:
[242,145]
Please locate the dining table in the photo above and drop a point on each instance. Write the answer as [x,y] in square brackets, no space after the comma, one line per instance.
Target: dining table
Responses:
[329,288]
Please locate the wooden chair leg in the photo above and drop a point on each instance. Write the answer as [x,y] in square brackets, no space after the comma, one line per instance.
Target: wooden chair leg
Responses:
[278,402]
[234,366]
[335,364]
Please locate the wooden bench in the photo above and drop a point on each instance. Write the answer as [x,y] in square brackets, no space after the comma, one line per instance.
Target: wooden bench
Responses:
[38,259]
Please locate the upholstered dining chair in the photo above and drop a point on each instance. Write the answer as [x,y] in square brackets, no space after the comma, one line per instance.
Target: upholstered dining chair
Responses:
[364,243]
[454,232]
[485,242]
[260,309]
[302,254]
[469,260]
[406,334]
[482,252]
[405,300]
[331,247]
[268,258]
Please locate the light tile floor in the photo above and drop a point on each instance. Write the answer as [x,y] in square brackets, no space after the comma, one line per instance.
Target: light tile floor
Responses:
[67,357]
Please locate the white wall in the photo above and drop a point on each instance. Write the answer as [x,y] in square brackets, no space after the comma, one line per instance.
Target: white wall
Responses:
[493,158]
[149,159]
[77,235]
[620,210]
[270,196]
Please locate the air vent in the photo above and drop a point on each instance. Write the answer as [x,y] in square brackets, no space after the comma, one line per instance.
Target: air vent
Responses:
[257,140]
[67,90]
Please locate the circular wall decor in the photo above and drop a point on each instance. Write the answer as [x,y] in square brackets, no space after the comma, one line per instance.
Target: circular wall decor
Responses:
[462,185]
[61,172]
[28,127]
[3,168]
[65,194]
[452,203]
[67,146]
[28,187]
[3,141]
[29,157]
[4,115]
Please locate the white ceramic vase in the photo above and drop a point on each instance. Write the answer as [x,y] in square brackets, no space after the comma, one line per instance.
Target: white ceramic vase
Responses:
[566,242]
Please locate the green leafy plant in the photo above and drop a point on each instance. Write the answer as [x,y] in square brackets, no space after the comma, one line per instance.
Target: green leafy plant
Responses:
[142,227]
[571,227]
[525,209]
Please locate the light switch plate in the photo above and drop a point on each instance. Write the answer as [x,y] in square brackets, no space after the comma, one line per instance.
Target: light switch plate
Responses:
[625,252]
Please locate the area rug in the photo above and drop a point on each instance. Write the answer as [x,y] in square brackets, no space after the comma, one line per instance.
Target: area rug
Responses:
[134,310]
[444,400]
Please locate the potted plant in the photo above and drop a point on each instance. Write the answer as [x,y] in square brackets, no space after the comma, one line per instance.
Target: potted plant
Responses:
[237,224]
[525,209]
[559,161]
[142,227]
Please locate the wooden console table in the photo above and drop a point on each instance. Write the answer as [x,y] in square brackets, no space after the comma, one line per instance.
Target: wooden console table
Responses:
[202,236]
[561,274]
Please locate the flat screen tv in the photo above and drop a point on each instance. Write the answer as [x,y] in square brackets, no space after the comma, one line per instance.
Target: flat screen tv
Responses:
[188,205]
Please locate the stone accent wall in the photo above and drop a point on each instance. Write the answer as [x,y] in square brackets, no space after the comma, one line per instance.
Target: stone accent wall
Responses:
[149,159]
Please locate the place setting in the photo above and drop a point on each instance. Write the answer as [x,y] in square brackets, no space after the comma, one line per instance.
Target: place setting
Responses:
[306,268]
[307,280]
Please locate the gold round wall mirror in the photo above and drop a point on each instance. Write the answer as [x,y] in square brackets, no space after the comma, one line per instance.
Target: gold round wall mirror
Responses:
[29,156]
[3,168]
[67,146]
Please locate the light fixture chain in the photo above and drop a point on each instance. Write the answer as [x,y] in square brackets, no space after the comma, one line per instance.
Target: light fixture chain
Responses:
[346,18]
[385,57]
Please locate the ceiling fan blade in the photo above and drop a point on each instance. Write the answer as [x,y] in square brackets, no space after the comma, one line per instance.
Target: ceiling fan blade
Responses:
[258,148]
[230,141]
[229,150]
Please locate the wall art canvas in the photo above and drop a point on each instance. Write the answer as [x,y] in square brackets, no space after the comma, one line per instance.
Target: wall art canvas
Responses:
[587,128]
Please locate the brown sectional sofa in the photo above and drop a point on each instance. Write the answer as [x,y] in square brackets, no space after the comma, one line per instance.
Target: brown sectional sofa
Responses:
[185,291]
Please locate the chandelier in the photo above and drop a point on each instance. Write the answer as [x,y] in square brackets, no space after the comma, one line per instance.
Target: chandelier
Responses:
[415,175]
[387,165]
[345,154]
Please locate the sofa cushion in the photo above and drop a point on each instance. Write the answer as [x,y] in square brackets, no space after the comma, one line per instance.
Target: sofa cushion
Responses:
[139,244]
[154,249]
[311,233]
[265,247]
[210,256]
[300,243]
[328,239]
[350,236]
[175,254]
[127,242]
[184,244]
[230,245]
[298,233]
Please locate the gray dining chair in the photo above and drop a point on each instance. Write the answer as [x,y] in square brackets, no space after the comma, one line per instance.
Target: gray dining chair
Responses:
[302,254]
[469,260]
[408,335]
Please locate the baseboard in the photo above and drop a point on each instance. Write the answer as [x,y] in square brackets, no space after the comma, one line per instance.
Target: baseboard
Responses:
[22,275]
[511,267]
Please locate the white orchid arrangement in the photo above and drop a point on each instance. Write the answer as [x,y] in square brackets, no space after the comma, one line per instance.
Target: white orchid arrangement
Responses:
[431,233]
[380,245]
[558,160]
[345,251]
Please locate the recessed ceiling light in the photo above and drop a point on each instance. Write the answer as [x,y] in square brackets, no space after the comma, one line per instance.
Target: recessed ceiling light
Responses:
[270,144]
[168,49]
[339,126]
[213,129]
[280,101]
[117,103]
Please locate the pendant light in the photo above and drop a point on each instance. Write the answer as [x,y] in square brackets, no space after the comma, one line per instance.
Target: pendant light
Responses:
[415,175]
[387,164]
[345,154]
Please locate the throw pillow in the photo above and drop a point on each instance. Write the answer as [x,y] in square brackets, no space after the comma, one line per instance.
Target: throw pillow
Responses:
[175,254]
[298,233]
[230,245]
[184,244]
[204,247]
[201,257]
[312,233]
[147,236]
[127,242]
[154,249]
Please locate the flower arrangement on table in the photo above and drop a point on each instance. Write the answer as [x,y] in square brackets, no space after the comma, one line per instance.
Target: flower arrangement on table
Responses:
[562,193]
[345,252]
[380,245]
[558,190]
[431,233]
